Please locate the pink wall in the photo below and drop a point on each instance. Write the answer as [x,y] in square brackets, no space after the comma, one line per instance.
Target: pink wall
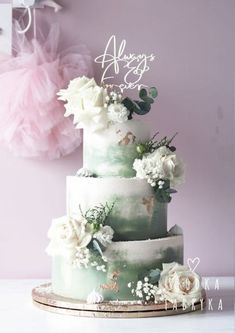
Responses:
[194,44]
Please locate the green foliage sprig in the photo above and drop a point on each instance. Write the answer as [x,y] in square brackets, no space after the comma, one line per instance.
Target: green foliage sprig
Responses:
[97,215]
[151,145]
[163,194]
[143,106]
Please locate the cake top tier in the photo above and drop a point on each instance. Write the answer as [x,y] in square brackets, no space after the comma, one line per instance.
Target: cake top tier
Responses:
[112,152]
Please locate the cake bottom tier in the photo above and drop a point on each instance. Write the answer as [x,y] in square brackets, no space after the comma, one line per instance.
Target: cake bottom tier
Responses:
[128,262]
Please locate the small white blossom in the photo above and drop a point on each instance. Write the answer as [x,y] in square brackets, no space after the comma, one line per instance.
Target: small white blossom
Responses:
[104,235]
[118,113]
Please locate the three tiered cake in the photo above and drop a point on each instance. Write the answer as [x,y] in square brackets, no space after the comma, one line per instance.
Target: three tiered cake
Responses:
[113,244]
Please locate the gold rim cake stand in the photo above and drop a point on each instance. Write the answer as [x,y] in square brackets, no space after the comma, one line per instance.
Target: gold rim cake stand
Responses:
[44,298]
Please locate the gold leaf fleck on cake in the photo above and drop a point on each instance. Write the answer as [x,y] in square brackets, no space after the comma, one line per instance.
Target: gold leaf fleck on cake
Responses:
[114,275]
[129,138]
[113,285]
[148,202]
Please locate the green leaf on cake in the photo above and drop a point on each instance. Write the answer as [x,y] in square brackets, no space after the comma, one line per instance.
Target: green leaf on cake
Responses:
[142,108]
[154,275]
[153,92]
[96,247]
[143,93]
[162,196]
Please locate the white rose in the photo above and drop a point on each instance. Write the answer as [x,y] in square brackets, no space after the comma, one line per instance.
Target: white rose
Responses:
[75,87]
[118,113]
[88,109]
[173,169]
[86,102]
[179,284]
[104,235]
[67,235]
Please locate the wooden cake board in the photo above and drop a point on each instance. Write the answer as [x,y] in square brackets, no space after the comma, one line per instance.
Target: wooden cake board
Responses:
[44,298]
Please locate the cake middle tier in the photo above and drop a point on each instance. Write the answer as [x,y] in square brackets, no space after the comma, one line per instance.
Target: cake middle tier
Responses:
[136,214]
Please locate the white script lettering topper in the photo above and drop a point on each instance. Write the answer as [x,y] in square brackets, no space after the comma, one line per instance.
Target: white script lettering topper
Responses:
[133,66]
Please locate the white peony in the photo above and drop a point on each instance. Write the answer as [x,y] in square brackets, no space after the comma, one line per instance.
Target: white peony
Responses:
[67,235]
[161,164]
[118,113]
[178,284]
[86,101]
[104,235]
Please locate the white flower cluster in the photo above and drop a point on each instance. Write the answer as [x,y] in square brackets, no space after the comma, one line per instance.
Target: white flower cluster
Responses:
[158,166]
[91,105]
[98,267]
[70,237]
[104,235]
[144,290]
[177,284]
[82,258]
[118,113]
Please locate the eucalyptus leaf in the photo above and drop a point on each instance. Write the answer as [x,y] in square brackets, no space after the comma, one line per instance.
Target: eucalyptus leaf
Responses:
[153,92]
[154,275]
[171,190]
[128,103]
[142,108]
[143,93]
[148,100]
[172,148]
[162,196]
[96,246]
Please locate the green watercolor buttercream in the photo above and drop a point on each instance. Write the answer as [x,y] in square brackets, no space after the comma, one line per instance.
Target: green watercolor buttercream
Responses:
[115,160]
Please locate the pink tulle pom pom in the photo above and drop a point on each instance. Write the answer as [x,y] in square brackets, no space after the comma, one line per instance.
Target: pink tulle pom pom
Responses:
[32,122]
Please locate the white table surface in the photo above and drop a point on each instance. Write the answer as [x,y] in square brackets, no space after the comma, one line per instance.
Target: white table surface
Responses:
[19,315]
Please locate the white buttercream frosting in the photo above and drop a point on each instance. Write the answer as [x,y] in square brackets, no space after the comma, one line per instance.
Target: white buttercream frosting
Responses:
[83,172]
[95,297]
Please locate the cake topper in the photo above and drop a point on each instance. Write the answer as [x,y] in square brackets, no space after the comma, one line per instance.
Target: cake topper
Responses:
[131,67]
